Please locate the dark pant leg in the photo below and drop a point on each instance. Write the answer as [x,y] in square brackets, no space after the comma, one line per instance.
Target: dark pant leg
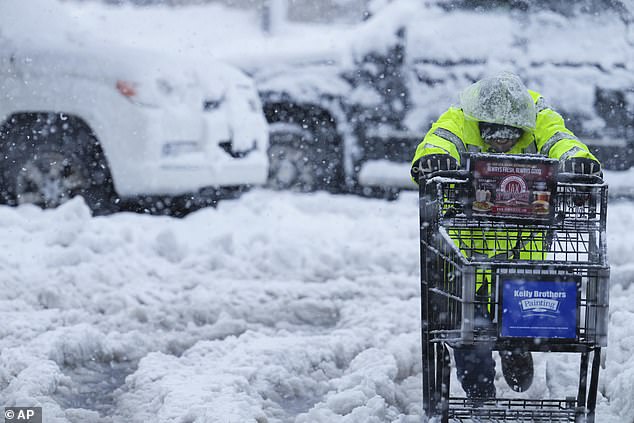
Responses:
[476,370]
[475,366]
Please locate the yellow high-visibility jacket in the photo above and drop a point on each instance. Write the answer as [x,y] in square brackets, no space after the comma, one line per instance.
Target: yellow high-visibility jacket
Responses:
[453,134]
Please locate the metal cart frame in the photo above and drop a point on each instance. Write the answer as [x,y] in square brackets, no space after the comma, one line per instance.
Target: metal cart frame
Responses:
[571,245]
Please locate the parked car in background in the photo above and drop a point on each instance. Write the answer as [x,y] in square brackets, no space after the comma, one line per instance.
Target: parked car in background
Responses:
[118,124]
[349,117]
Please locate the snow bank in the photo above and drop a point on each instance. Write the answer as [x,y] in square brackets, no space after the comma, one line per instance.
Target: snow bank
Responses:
[276,307]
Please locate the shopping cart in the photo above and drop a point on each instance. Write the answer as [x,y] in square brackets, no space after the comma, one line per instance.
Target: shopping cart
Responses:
[528,245]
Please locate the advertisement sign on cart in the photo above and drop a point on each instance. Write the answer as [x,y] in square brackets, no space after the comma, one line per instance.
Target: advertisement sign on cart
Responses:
[512,188]
[539,308]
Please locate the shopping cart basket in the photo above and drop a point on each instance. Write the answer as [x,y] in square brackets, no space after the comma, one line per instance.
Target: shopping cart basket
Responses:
[528,245]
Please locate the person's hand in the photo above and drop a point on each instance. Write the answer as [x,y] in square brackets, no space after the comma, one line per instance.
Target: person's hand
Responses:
[427,165]
[580,165]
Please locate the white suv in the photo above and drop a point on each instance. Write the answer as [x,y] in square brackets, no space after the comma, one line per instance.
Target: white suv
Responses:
[113,122]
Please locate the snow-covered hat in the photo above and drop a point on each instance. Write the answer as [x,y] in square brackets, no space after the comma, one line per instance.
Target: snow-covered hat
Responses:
[502,99]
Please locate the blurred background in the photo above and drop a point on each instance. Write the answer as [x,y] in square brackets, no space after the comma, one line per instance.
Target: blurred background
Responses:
[180,103]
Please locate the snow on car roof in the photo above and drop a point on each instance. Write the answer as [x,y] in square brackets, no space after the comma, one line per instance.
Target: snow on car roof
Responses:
[114,39]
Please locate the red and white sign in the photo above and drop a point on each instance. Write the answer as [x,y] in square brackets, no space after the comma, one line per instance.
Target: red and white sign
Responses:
[513,186]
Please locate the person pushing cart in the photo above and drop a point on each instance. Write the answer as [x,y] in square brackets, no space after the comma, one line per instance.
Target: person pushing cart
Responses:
[513,254]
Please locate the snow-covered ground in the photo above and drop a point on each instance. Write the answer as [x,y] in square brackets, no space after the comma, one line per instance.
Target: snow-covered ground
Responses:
[275,307]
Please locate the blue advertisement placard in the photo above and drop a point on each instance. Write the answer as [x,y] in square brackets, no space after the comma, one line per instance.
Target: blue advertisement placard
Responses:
[539,308]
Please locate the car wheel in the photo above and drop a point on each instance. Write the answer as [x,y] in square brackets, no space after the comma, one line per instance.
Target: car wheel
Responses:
[300,159]
[48,161]
[48,179]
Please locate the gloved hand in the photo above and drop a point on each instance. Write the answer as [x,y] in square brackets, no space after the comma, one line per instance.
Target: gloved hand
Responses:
[426,165]
[581,165]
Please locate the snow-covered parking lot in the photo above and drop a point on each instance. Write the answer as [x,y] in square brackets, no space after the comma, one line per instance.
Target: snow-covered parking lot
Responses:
[276,307]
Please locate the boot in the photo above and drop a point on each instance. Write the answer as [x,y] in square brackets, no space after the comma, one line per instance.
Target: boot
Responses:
[517,368]
[475,369]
